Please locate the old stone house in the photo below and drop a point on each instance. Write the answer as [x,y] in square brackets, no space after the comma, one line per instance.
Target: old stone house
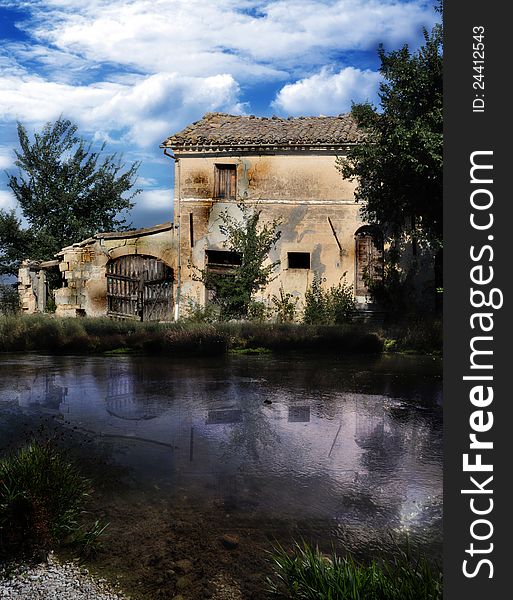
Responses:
[285,168]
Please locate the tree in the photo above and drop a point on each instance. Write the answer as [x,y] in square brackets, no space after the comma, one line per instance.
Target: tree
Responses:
[66,192]
[15,243]
[251,242]
[399,164]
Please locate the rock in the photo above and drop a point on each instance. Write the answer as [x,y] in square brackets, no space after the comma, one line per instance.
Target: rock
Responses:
[183,566]
[230,541]
[183,582]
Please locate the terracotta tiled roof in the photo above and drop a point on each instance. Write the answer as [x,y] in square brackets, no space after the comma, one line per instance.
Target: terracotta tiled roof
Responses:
[220,129]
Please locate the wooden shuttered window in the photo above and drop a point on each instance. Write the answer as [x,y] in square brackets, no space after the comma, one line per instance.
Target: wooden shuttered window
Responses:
[225,182]
[369,260]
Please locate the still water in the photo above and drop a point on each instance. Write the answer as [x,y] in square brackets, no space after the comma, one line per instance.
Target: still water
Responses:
[352,442]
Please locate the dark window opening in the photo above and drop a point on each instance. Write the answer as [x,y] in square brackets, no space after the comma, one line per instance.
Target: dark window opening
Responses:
[223,258]
[224,416]
[299,260]
[224,181]
[191,230]
[299,414]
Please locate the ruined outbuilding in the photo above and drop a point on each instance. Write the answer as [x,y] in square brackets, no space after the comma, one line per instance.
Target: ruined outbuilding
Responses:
[128,274]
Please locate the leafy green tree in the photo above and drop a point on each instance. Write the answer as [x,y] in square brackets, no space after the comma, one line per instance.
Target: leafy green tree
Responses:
[66,192]
[252,242]
[398,166]
[15,243]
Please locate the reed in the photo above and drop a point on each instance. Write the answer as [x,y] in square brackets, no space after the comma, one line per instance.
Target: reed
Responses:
[304,573]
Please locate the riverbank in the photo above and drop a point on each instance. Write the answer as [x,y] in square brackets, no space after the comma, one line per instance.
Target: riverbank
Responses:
[51,335]
[53,580]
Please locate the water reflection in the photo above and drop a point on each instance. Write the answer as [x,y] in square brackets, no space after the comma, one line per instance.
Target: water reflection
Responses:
[356,442]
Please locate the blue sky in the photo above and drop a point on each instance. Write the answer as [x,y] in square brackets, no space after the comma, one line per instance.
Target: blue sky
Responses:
[132,72]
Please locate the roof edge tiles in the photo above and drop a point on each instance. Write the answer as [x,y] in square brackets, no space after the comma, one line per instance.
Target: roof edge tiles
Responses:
[223,130]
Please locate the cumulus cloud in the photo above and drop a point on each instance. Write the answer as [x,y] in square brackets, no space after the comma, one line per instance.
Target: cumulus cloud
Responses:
[328,93]
[249,39]
[143,114]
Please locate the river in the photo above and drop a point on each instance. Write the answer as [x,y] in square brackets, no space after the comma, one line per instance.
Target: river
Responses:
[344,451]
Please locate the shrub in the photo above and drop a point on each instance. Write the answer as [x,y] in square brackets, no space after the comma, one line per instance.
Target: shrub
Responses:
[333,306]
[9,299]
[196,313]
[285,305]
[42,497]
[306,574]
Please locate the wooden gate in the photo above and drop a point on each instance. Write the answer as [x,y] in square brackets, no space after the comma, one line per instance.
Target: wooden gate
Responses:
[139,287]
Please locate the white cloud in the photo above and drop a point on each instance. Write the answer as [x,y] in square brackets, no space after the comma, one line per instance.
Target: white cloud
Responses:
[6,158]
[7,200]
[328,93]
[249,39]
[143,114]
[156,200]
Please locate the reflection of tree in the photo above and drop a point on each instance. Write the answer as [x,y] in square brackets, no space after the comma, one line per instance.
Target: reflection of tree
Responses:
[253,433]
[391,438]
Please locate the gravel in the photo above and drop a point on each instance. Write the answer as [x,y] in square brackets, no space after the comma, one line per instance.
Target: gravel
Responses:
[53,580]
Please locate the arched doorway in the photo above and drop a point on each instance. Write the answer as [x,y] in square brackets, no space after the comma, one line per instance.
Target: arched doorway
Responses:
[139,287]
[369,258]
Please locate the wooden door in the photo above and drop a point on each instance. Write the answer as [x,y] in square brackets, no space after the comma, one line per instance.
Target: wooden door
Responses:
[139,287]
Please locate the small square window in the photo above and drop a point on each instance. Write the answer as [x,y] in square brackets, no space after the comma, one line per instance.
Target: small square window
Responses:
[298,260]
[225,177]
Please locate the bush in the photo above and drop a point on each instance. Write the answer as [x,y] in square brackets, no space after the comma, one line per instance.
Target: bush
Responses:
[333,306]
[196,313]
[285,305]
[42,497]
[306,574]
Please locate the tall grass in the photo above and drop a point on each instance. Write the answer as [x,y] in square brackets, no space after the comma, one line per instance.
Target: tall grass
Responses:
[306,574]
[42,499]
[42,333]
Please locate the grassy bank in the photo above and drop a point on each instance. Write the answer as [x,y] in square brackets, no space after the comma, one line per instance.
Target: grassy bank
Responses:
[305,573]
[47,334]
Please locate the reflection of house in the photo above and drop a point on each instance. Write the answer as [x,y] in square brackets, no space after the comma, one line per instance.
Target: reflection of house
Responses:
[286,168]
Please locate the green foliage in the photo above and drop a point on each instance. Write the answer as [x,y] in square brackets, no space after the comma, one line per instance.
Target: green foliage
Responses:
[53,335]
[42,497]
[66,192]
[9,299]
[196,313]
[285,305]
[333,306]
[257,311]
[16,243]
[252,241]
[399,164]
[306,574]
[395,292]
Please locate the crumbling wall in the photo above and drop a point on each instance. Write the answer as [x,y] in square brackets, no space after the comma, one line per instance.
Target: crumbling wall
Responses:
[83,268]
[32,287]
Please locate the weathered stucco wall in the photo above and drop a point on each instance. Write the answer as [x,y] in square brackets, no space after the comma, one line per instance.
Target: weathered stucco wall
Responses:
[304,192]
[83,267]
[287,176]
